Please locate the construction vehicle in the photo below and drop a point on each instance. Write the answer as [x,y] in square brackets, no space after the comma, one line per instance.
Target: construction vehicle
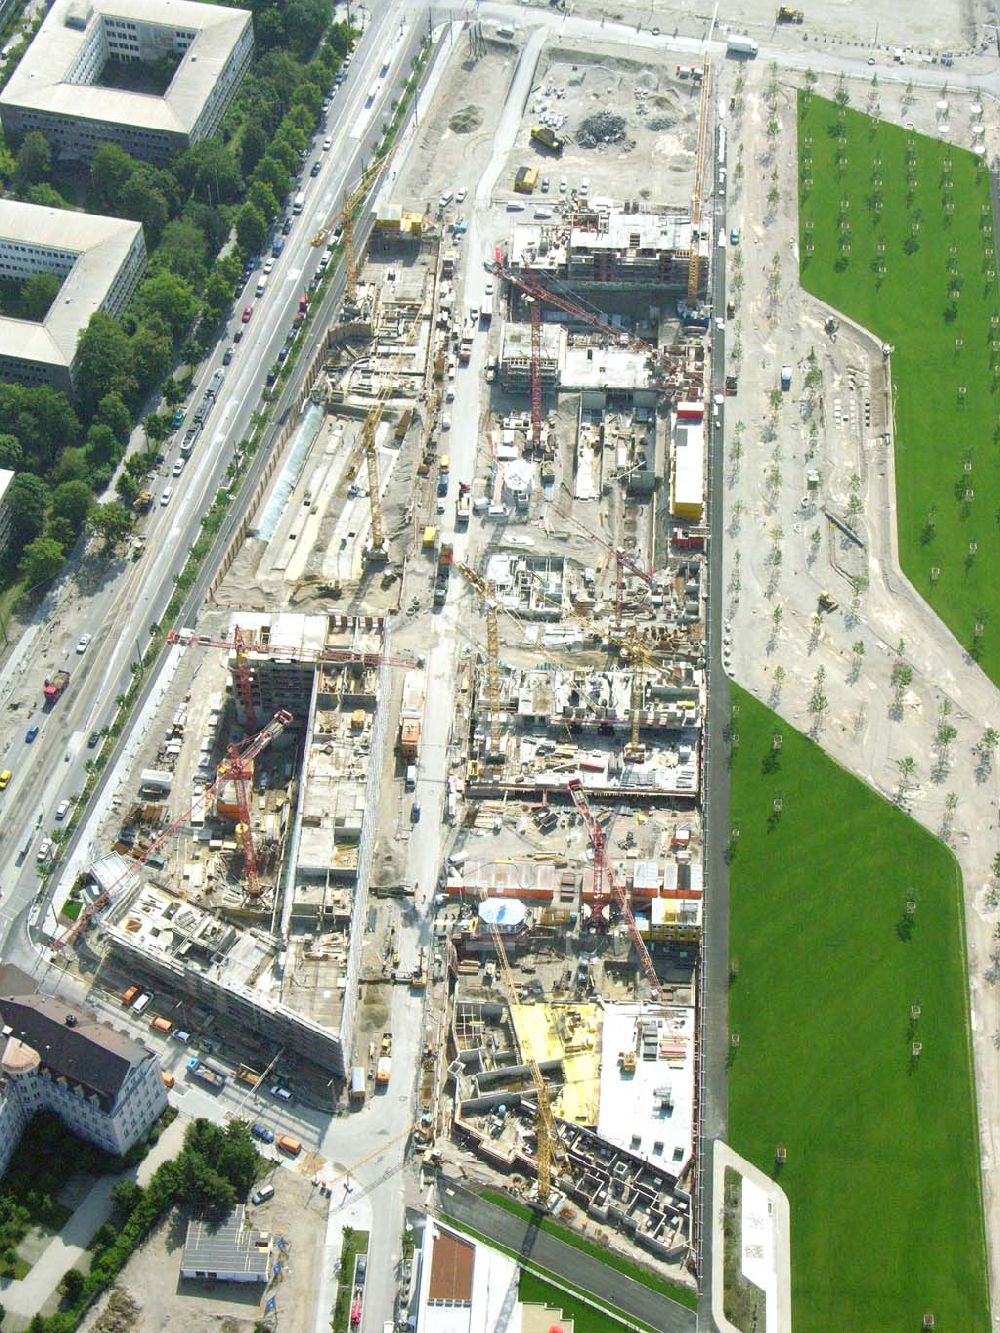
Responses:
[54,686]
[244,1074]
[463,508]
[359,1084]
[786,378]
[786,15]
[547,137]
[827,603]
[622,561]
[741,47]
[383,1068]
[418,977]
[526,180]
[606,885]
[143,502]
[206,1073]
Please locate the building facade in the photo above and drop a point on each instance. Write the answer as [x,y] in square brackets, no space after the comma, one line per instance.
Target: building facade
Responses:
[56,88]
[104,1085]
[100,262]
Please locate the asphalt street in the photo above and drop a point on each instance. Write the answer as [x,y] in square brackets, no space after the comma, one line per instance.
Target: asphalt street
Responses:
[578,1268]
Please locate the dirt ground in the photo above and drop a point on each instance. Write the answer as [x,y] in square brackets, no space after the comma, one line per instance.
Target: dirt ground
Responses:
[168,1305]
[957,25]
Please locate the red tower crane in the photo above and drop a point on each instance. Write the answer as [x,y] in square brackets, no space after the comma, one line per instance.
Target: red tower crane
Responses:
[604,879]
[242,755]
[238,769]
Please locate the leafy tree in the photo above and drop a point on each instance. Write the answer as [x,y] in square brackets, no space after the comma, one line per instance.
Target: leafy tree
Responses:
[182,251]
[274,172]
[34,159]
[209,171]
[29,503]
[126,1196]
[102,447]
[71,1285]
[157,429]
[72,466]
[126,487]
[151,356]
[37,294]
[45,196]
[143,202]
[105,362]
[110,169]
[61,530]
[263,198]
[305,23]
[213,223]
[72,500]
[251,225]
[11,453]
[253,145]
[113,522]
[112,412]
[42,560]
[171,298]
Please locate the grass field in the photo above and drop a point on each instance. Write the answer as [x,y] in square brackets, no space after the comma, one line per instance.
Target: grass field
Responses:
[882,1171]
[920,273]
[673,1290]
[585,1318]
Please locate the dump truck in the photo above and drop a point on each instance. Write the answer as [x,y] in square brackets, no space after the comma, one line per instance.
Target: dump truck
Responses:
[786,15]
[526,180]
[244,1074]
[741,47]
[547,138]
[384,1067]
[206,1073]
[54,685]
[143,502]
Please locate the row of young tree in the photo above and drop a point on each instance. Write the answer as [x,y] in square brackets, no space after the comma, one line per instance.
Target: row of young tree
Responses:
[66,452]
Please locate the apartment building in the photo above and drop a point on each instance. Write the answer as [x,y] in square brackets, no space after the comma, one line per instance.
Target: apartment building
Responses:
[55,87]
[100,262]
[58,1057]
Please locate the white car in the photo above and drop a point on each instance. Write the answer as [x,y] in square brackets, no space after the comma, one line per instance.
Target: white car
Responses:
[178,466]
[268,263]
[489,287]
[165,497]
[446,422]
[327,144]
[84,643]
[44,851]
[460,194]
[562,184]
[62,809]
[545,185]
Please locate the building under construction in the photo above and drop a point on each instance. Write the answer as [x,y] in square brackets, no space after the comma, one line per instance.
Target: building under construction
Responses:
[283,963]
[601,245]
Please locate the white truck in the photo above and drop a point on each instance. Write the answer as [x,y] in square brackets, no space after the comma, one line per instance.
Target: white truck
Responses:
[741,47]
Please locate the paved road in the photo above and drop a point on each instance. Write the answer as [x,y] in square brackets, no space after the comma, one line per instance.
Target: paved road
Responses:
[579,1269]
[714,1020]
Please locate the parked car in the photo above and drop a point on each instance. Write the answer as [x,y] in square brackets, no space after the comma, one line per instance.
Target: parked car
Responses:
[263,1194]
[5,778]
[262,1132]
[83,643]
[268,263]
[44,851]
[62,810]
[93,740]
[30,734]
[178,467]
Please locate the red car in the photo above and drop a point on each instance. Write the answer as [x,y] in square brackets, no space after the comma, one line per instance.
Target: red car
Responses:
[247,313]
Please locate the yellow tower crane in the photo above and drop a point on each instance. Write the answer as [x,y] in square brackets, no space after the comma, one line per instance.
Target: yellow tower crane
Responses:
[485,590]
[549,1144]
[694,266]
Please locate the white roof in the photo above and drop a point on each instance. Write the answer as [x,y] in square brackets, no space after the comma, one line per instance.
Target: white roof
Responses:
[6,477]
[39,82]
[102,245]
[689,464]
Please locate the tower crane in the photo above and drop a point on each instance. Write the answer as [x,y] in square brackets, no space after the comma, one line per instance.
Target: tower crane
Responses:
[639,656]
[239,755]
[694,265]
[238,768]
[549,1145]
[622,561]
[605,880]
[485,590]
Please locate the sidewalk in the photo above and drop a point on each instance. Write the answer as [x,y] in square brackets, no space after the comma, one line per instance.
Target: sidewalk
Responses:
[766,1258]
[28,1296]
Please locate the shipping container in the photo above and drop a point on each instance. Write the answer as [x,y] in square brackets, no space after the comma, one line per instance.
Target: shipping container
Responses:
[129,996]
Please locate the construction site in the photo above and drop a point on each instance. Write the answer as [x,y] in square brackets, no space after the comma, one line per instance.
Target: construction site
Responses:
[438,732]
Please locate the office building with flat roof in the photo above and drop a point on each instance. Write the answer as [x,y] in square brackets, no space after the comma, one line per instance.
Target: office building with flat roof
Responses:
[56,88]
[99,261]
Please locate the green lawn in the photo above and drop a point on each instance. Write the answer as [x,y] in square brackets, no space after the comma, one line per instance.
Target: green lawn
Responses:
[909,303]
[882,1169]
[640,1273]
[585,1318]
